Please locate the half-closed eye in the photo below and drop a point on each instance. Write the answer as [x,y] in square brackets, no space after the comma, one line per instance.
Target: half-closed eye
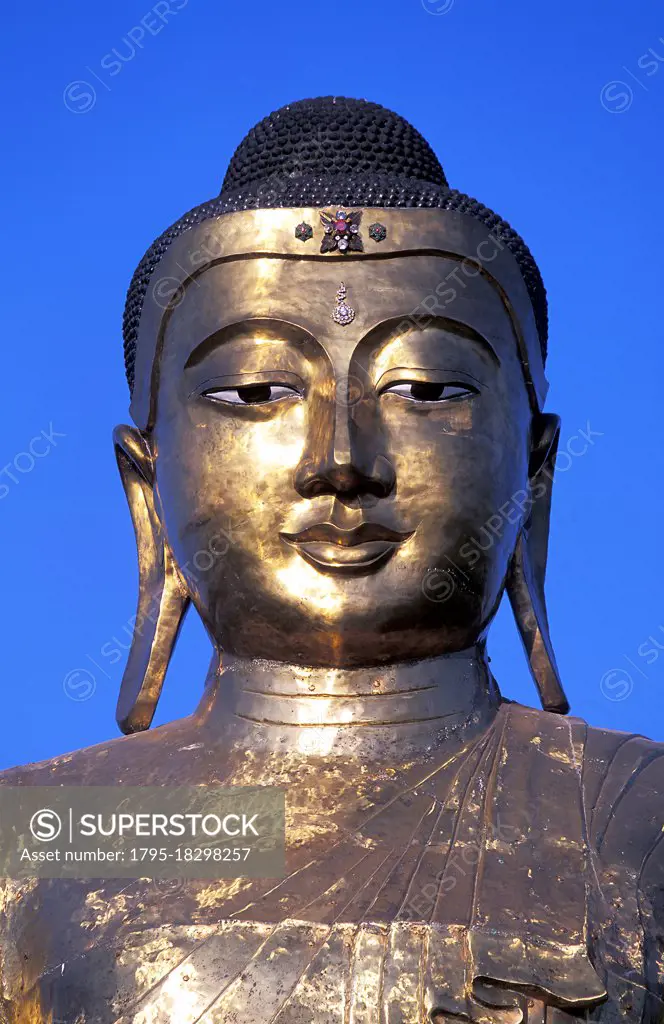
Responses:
[419,391]
[252,394]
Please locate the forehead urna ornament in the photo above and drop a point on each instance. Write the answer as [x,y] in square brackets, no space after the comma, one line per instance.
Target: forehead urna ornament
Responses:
[342,314]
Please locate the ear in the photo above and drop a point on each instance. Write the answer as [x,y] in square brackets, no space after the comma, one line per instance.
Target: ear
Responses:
[162,596]
[525,581]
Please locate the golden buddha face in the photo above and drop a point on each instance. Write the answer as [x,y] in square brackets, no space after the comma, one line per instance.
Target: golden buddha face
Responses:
[321,483]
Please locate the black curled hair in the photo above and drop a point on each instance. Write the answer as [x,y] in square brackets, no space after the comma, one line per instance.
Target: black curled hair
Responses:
[332,151]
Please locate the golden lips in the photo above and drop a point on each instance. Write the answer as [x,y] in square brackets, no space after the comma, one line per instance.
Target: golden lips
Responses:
[356,552]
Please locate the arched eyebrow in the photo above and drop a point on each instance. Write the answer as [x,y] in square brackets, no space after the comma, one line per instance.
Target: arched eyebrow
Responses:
[399,326]
[267,327]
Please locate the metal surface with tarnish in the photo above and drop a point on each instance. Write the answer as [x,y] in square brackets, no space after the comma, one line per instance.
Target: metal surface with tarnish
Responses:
[322,492]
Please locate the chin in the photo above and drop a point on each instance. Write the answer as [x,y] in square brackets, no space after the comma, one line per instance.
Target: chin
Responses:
[394,614]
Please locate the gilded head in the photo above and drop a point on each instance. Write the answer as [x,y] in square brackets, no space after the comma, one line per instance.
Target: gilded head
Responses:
[337,376]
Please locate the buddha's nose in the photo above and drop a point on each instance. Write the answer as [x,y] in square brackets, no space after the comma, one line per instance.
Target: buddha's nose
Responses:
[345,455]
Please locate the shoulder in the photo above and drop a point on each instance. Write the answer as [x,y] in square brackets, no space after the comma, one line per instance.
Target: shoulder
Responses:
[620,783]
[623,782]
[604,753]
[143,758]
[621,774]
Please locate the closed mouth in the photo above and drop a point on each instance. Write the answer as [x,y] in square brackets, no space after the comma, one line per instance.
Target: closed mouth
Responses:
[356,552]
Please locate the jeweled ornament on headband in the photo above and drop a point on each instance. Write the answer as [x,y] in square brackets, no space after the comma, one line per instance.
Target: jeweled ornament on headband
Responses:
[342,231]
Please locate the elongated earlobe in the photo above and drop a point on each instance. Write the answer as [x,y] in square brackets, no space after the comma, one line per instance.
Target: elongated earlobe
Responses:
[162,597]
[525,582]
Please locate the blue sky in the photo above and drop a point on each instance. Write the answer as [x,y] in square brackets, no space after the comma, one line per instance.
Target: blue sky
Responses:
[549,113]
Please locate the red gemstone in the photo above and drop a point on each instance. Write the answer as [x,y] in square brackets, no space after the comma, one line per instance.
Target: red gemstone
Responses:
[340,225]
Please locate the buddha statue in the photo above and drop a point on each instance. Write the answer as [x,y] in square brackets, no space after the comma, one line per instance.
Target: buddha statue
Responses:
[340,457]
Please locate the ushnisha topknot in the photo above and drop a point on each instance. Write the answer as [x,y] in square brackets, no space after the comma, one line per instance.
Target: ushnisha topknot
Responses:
[332,151]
